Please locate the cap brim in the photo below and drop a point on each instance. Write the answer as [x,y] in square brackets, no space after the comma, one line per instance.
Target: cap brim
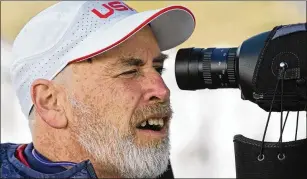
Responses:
[171,26]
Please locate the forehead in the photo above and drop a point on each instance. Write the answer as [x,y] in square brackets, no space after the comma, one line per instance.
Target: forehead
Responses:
[143,44]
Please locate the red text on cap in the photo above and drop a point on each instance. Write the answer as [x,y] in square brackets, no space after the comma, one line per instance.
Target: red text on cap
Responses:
[111,7]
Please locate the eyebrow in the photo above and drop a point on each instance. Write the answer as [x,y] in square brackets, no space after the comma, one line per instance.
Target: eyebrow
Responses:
[161,58]
[139,62]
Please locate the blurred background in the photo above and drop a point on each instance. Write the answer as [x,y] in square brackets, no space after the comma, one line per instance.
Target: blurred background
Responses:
[204,121]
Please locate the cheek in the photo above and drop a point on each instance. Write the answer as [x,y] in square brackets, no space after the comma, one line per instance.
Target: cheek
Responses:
[113,101]
[132,92]
[126,94]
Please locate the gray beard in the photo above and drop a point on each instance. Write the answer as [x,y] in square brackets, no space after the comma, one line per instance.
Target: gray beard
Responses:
[104,144]
[130,161]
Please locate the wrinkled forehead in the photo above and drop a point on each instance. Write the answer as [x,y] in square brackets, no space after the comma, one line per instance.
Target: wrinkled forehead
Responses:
[141,45]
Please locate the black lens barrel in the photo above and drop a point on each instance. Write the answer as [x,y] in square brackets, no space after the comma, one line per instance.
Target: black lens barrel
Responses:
[211,68]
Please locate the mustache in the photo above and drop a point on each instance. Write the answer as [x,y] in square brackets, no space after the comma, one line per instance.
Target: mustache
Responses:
[157,109]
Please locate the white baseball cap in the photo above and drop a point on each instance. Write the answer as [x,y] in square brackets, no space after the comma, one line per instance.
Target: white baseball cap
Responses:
[73,31]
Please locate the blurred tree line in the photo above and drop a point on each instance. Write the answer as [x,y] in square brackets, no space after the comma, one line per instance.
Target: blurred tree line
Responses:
[217,22]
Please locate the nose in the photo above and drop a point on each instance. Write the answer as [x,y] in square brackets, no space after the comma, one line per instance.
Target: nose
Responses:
[156,90]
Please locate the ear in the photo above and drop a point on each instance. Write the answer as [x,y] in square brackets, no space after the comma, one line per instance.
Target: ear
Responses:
[48,103]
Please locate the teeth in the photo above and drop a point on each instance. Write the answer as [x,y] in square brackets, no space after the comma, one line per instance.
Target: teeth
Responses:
[156,122]
[143,124]
[161,122]
[151,121]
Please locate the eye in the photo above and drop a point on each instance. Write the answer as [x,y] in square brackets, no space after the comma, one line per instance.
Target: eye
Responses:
[160,70]
[130,73]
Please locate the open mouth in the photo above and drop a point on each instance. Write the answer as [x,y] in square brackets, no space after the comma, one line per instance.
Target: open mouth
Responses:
[153,124]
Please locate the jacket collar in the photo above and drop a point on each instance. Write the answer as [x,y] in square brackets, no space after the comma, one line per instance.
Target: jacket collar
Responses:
[82,170]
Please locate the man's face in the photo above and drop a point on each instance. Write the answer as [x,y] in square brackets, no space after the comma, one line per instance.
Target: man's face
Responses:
[120,108]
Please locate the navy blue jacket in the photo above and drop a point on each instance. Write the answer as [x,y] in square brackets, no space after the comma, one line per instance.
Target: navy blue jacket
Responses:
[11,167]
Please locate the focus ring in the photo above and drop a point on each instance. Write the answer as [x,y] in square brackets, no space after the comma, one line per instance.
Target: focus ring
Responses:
[207,66]
[231,68]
